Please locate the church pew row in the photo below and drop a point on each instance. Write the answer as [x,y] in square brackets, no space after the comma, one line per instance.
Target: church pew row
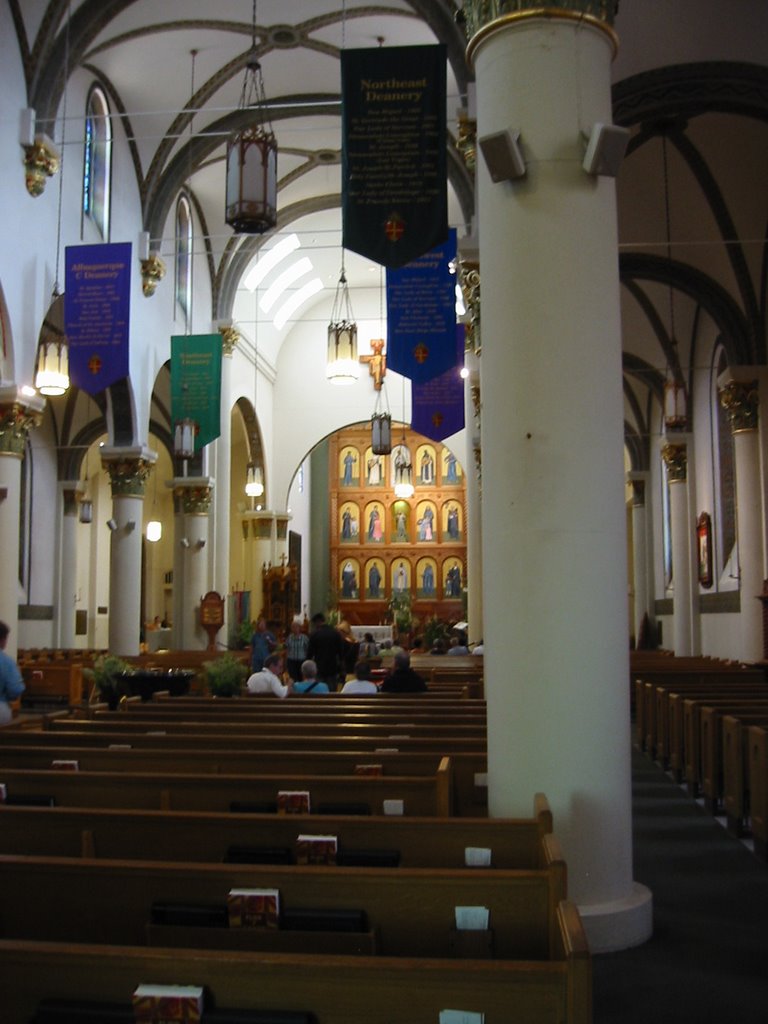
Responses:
[131,834]
[333,989]
[408,912]
[151,754]
[420,795]
[757,768]
[249,710]
[53,682]
[652,718]
[255,727]
[743,787]
[702,754]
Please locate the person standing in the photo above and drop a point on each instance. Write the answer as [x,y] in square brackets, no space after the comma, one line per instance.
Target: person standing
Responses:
[11,683]
[262,643]
[326,649]
[296,647]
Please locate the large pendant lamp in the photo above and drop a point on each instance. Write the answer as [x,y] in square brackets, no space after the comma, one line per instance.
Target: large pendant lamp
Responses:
[52,369]
[342,366]
[251,194]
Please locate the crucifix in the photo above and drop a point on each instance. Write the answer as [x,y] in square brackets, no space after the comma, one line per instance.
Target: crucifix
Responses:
[377,363]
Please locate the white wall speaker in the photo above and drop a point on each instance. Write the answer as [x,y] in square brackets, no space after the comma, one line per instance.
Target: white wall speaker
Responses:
[606,147]
[503,155]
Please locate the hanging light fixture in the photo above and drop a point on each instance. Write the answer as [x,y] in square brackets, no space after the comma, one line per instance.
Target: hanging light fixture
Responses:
[342,366]
[184,439]
[52,369]
[154,526]
[675,399]
[254,481]
[251,192]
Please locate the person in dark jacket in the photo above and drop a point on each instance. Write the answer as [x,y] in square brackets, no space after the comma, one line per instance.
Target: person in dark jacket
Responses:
[326,649]
[402,679]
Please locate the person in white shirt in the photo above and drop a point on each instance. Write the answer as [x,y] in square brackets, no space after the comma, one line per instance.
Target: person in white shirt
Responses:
[361,684]
[269,679]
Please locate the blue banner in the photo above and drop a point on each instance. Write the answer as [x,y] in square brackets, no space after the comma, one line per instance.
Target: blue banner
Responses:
[438,404]
[393,155]
[97,309]
[421,314]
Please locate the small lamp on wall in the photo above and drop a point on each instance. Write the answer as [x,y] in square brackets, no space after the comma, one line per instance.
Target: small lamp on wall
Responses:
[254,481]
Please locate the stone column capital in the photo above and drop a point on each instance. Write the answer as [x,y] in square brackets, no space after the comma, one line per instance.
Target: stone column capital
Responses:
[469,279]
[741,400]
[19,413]
[194,494]
[230,335]
[128,469]
[675,456]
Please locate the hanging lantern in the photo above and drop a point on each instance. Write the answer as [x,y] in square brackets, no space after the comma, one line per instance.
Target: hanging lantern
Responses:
[254,481]
[381,433]
[342,366]
[184,439]
[251,191]
[675,415]
[86,511]
[52,373]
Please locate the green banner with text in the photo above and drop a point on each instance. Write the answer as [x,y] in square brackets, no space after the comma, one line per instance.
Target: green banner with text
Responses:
[196,386]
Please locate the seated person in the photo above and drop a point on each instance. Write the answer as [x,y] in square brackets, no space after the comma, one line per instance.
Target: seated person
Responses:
[361,684]
[269,680]
[309,681]
[457,647]
[368,648]
[402,679]
[438,647]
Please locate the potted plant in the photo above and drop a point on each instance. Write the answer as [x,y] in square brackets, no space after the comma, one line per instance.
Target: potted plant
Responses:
[225,675]
[434,629]
[108,676]
[401,612]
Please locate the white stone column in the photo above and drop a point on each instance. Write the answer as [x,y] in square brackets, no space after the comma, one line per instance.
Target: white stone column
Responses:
[195,494]
[739,396]
[18,415]
[675,456]
[473,478]
[259,529]
[554,524]
[642,611]
[67,589]
[223,450]
[128,470]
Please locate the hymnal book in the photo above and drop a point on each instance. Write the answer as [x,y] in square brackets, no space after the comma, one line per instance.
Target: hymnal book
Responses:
[316,849]
[168,1004]
[369,769]
[253,908]
[472,919]
[293,801]
[394,807]
[477,856]
[461,1017]
[3,792]
[65,766]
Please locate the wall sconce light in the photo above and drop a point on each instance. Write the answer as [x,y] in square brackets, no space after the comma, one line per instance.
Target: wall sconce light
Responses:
[130,525]
[200,544]
[254,481]
[86,511]
[503,155]
[605,150]
[184,542]
[154,531]
[111,525]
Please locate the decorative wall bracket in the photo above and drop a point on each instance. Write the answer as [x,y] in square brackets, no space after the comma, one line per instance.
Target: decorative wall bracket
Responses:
[41,161]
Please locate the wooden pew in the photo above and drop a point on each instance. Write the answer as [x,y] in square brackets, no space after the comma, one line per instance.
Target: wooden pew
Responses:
[52,681]
[703,751]
[151,754]
[741,779]
[411,910]
[336,989]
[421,795]
[757,763]
[183,835]
[252,710]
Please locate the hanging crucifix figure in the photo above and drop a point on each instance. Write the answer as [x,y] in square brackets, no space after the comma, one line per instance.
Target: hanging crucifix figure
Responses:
[377,363]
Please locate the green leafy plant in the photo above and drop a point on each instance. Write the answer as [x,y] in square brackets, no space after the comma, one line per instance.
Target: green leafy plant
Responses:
[434,629]
[108,674]
[400,610]
[225,675]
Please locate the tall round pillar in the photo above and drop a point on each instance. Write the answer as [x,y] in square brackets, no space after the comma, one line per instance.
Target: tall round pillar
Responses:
[195,496]
[675,456]
[128,470]
[67,588]
[739,396]
[640,575]
[553,519]
[18,415]
[223,449]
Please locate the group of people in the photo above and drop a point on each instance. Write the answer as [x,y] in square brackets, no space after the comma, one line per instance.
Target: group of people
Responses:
[321,662]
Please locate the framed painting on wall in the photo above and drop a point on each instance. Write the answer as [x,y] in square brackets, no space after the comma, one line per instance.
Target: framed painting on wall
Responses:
[704,548]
